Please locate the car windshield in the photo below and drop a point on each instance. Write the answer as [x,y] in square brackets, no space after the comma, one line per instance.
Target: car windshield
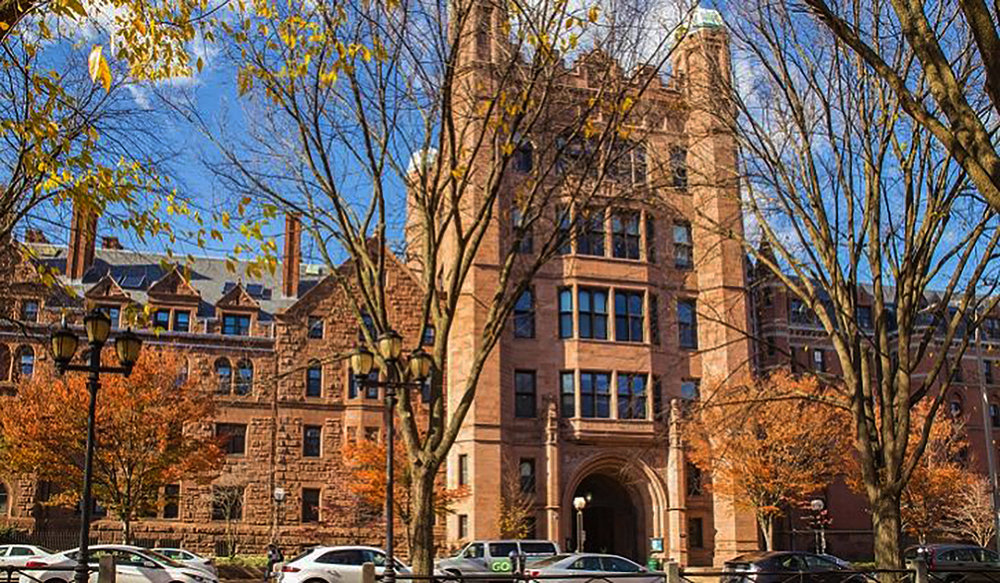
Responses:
[161,558]
[46,550]
[542,548]
[302,555]
[549,561]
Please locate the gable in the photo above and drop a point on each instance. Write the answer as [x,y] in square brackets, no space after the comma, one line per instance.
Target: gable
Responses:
[173,288]
[238,298]
[107,289]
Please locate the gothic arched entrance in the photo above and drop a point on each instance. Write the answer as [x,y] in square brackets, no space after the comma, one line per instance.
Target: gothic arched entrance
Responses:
[612,522]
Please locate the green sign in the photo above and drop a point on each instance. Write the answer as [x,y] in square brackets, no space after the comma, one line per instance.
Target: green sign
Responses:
[501,566]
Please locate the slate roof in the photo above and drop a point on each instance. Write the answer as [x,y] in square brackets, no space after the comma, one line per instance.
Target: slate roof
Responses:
[135,271]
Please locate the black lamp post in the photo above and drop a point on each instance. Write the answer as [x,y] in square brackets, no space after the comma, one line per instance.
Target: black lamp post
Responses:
[64,343]
[390,347]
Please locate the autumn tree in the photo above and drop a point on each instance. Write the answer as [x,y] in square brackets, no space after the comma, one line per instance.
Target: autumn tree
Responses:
[973,518]
[769,444]
[459,118]
[855,206]
[954,93]
[148,434]
[366,463]
[226,499]
[933,494]
[516,505]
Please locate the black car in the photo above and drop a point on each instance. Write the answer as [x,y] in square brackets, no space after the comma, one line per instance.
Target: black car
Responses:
[789,567]
[950,563]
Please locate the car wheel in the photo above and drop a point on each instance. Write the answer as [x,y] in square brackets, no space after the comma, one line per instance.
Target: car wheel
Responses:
[316,581]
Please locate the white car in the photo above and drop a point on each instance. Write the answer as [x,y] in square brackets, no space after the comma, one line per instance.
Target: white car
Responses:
[19,555]
[334,565]
[580,566]
[132,565]
[189,558]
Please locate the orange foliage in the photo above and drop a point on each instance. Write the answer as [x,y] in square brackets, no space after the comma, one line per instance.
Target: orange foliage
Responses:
[934,493]
[366,462]
[146,433]
[770,444]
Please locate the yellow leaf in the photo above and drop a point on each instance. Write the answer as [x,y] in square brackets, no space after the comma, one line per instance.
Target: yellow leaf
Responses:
[99,69]
[200,64]
[593,13]
[76,6]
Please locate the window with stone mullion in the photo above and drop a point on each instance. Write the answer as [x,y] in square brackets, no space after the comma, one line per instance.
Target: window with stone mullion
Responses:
[631,396]
[592,313]
[625,234]
[628,316]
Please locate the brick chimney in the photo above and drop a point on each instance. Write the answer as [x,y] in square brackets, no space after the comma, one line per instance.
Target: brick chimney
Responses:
[293,256]
[82,240]
[111,243]
[35,236]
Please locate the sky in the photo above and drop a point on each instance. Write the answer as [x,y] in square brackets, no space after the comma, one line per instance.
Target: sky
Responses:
[213,90]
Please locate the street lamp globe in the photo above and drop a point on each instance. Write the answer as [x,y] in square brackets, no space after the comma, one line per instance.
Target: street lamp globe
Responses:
[579,503]
[64,343]
[390,345]
[420,364]
[362,362]
[127,345]
[98,326]
[817,504]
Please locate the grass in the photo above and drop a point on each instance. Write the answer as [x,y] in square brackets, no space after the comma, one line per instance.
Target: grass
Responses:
[242,561]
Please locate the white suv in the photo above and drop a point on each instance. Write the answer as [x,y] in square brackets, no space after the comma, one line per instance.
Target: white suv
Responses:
[334,565]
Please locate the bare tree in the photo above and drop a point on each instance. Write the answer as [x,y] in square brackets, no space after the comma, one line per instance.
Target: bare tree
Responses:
[226,500]
[955,93]
[973,518]
[852,204]
[463,117]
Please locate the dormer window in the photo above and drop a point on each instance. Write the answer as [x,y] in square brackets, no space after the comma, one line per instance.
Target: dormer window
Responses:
[29,311]
[182,321]
[161,319]
[113,312]
[236,324]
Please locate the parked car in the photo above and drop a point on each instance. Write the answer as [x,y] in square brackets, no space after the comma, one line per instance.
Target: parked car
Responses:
[494,556]
[601,566]
[956,562]
[188,558]
[789,567]
[18,555]
[334,565]
[132,565]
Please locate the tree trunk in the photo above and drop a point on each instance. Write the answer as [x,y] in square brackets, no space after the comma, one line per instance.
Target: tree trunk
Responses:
[422,530]
[126,531]
[766,523]
[886,525]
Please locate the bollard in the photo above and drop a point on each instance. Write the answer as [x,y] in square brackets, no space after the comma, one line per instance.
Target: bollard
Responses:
[368,573]
[106,569]
[672,569]
[920,571]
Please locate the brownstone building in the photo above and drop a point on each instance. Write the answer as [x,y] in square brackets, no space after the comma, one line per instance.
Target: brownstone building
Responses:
[577,398]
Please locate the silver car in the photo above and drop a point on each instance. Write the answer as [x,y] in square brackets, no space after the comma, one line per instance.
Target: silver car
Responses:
[578,566]
[188,558]
[494,556]
[132,565]
[335,565]
[18,555]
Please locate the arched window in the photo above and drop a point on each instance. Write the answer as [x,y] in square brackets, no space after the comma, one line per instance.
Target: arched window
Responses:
[524,154]
[224,374]
[4,500]
[25,361]
[4,363]
[314,379]
[955,406]
[244,377]
[679,167]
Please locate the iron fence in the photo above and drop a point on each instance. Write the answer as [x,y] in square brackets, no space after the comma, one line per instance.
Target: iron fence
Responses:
[16,574]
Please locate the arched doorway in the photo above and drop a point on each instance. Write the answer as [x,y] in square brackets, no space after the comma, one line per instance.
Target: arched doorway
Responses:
[612,523]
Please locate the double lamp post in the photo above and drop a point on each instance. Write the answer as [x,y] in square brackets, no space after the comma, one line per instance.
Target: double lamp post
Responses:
[390,348]
[64,344]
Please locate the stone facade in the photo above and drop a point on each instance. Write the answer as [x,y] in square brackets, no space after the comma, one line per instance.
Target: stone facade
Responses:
[602,413]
